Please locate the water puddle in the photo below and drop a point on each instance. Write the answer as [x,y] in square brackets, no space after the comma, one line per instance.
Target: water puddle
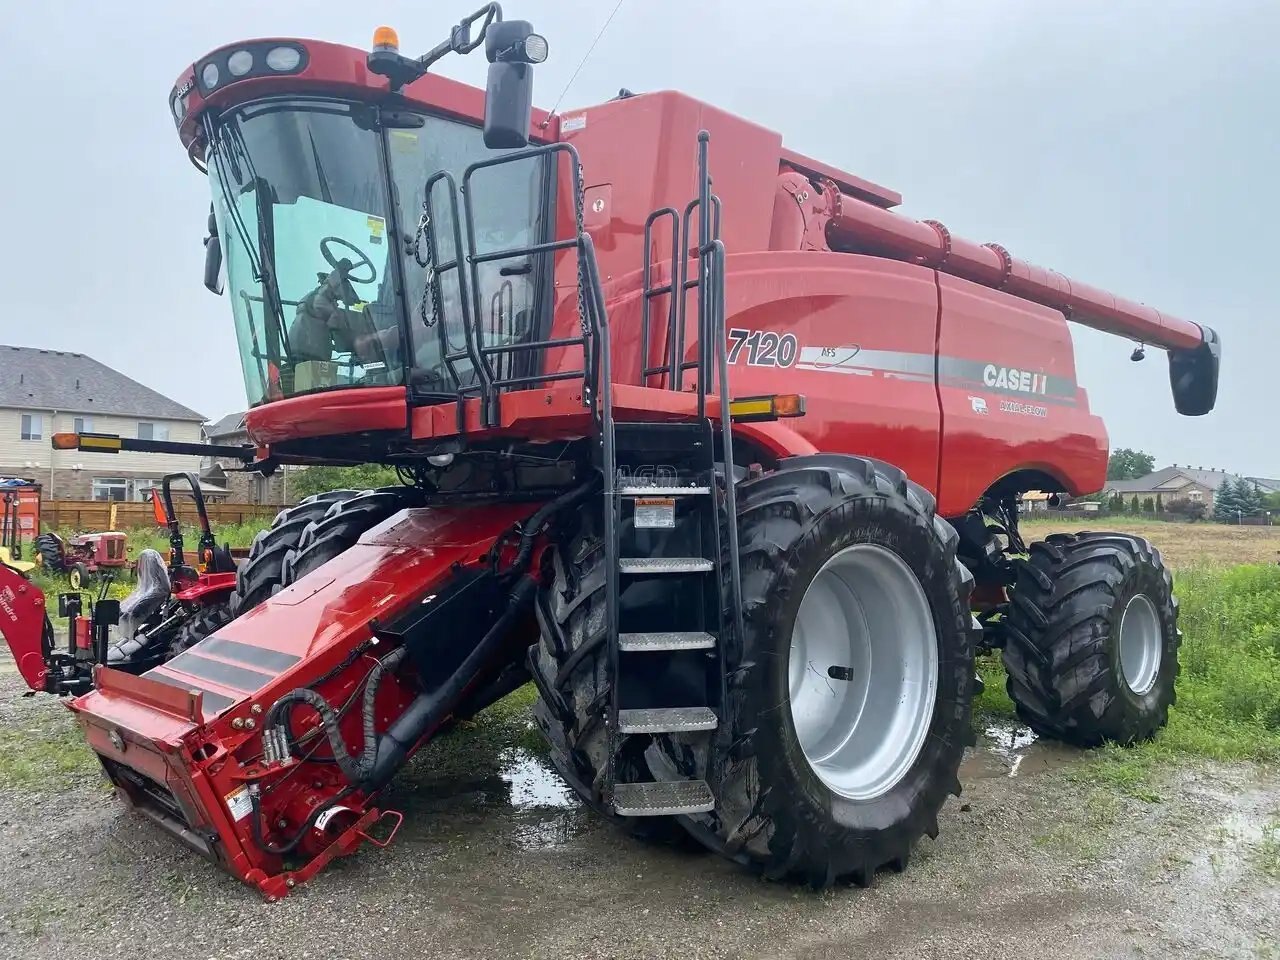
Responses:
[532,784]
[1224,856]
[1008,749]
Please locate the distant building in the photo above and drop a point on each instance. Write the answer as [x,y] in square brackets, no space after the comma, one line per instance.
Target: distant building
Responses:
[222,473]
[1183,483]
[43,392]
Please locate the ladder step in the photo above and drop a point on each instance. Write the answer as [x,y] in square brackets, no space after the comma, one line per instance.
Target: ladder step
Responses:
[664,565]
[642,490]
[666,720]
[655,642]
[663,798]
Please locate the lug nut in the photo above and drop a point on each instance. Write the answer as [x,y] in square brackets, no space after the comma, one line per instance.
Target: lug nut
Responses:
[237,723]
[256,708]
[250,723]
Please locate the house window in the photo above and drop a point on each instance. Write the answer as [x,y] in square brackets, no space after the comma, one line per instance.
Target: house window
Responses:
[32,426]
[110,488]
[141,489]
[82,424]
[152,431]
[1195,495]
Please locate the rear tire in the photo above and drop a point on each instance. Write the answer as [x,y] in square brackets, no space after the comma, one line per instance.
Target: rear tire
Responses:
[206,621]
[1092,639]
[776,810]
[261,574]
[51,553]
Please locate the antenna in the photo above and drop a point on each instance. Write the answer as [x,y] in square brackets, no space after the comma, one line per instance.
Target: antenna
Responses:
[582,63]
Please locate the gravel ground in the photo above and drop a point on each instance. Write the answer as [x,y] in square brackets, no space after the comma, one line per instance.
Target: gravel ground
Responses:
[1042,864]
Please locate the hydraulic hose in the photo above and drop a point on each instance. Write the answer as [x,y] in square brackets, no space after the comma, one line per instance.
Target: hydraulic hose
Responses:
[529,529]
[351,767]
[429,709]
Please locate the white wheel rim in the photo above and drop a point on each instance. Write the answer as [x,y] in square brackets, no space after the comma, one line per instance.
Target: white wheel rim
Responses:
[1141,645]
[863,671]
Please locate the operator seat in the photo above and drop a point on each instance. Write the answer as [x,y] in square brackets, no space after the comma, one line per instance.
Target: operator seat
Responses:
[137,609]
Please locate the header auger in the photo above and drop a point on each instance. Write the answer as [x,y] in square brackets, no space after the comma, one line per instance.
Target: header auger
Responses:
[681,443]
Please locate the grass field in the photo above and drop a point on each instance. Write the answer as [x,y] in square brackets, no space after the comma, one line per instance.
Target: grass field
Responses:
[1183,544]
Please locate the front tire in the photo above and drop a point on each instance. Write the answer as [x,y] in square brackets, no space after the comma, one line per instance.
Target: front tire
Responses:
[78,576]
[569,666]
[780,806]
[1091,641]
[261,573]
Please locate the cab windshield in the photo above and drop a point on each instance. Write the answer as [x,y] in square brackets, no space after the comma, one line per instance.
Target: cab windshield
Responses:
[318,207]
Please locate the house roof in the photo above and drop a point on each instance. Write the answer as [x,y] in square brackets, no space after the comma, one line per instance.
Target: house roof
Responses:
[232,423]
[1268,485]
[1166,480]
[37,379]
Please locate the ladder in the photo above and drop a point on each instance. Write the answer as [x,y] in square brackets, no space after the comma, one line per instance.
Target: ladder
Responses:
[673,587]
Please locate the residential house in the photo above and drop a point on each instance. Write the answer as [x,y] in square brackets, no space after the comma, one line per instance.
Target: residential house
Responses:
[221,473]
[43,392]
[1182,483]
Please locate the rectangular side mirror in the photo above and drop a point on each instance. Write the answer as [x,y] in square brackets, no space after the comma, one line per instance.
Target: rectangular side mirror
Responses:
[508,105]
[213,264]
[1193,376]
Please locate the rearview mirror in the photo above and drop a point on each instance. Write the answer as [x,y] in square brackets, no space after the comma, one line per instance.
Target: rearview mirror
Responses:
[213,265]
[1193,375]
[512,49]
[508,106]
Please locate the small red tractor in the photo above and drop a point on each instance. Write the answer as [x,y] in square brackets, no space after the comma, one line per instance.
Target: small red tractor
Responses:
[728,468]
[82,556]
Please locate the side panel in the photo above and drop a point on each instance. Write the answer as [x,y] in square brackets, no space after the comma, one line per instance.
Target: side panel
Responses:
[855,335]
[1010,401]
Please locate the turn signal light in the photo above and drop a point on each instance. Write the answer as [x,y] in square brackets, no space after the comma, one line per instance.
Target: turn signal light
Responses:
[773,407]
[98,442]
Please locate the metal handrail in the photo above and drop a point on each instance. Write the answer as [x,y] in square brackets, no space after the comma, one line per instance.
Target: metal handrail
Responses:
[591,317]
[648,293]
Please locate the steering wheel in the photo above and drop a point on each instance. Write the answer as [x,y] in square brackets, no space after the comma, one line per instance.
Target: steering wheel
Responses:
[335,262]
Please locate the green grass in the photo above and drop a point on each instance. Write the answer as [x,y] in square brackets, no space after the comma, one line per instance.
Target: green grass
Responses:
[47,756]
[1229,691]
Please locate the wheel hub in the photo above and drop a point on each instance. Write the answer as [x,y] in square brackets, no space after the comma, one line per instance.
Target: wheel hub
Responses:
[863,671]
[1141,644]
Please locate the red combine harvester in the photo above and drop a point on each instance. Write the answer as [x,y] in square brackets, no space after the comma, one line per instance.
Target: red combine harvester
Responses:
[727,468]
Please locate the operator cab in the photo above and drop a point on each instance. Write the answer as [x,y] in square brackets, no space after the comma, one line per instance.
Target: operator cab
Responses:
[318,220]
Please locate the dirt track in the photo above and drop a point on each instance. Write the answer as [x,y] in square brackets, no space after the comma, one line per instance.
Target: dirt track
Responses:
[498,862]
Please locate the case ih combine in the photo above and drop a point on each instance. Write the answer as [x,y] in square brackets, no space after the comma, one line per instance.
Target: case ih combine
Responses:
[696,433]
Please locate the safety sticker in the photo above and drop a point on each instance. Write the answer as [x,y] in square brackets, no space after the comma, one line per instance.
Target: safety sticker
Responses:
[570,124]
[239,803]
[377,227]
[655,513]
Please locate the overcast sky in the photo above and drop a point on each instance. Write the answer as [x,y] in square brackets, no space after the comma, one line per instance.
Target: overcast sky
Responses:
[1132,145]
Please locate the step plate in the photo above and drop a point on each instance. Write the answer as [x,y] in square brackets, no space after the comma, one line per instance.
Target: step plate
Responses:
[667,720]
[640,490]
[654,565]
[656,642]
[662,799]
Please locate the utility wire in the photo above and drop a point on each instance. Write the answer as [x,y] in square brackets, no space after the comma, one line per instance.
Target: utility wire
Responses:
[582,63]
